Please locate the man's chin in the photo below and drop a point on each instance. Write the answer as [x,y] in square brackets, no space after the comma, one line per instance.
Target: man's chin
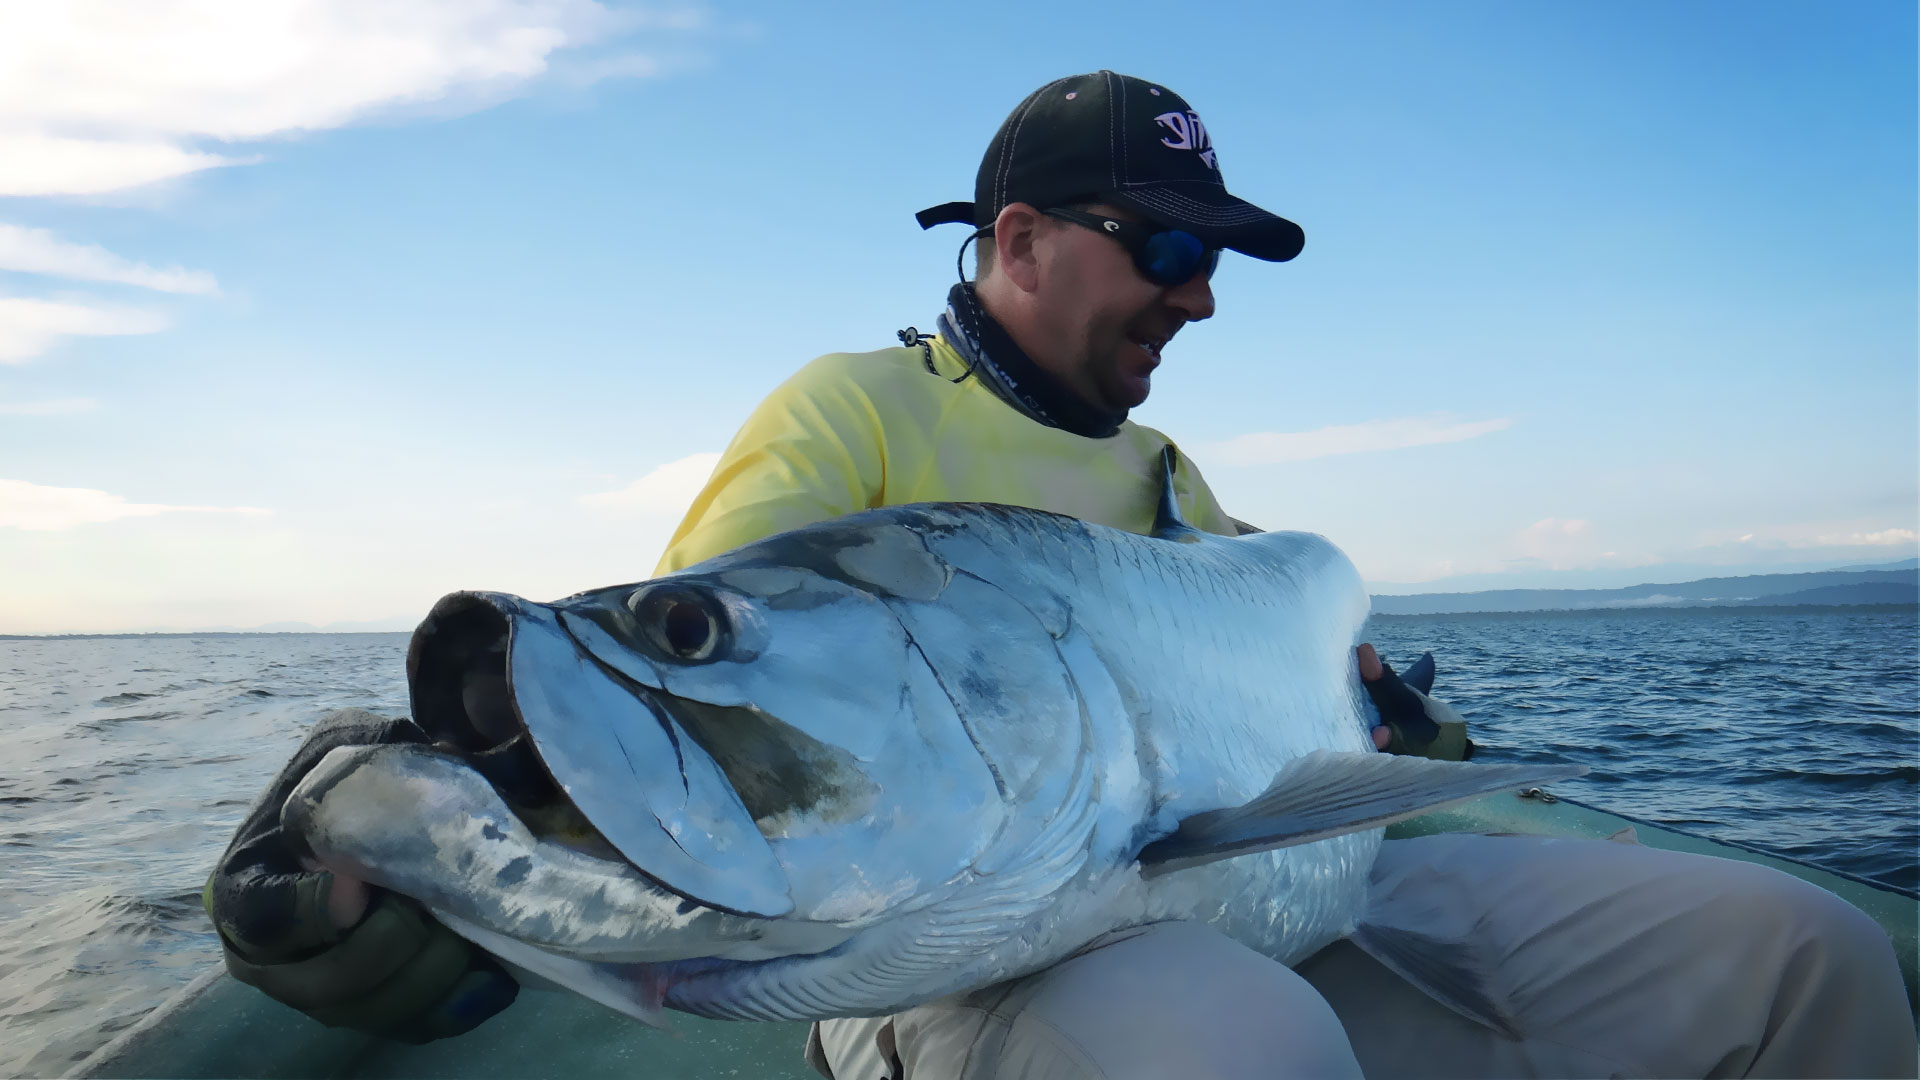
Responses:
[1132,391]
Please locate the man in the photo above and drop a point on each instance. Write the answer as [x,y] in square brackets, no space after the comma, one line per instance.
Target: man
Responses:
[1101,212]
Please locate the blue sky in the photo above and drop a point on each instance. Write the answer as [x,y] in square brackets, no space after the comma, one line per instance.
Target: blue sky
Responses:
[315,311]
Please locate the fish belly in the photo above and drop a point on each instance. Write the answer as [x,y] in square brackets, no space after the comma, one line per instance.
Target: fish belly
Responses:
[1234,657]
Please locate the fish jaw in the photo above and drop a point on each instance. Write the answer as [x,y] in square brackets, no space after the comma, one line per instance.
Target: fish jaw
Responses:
[417,821]
[422,823]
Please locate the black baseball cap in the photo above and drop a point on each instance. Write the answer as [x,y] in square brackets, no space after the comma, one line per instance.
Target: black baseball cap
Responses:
[1112,138]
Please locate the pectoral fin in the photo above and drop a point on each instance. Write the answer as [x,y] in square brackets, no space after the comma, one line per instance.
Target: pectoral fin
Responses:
[1331,793]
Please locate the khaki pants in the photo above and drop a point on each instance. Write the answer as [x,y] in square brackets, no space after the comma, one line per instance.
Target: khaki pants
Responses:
[1616,960]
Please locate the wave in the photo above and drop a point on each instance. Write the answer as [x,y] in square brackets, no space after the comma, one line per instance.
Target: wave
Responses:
[1896,774]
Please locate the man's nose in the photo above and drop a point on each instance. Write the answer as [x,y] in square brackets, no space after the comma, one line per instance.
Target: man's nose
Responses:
[1194,299]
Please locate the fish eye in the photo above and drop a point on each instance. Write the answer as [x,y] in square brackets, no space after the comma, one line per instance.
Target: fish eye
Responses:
[688,629]
[682,624]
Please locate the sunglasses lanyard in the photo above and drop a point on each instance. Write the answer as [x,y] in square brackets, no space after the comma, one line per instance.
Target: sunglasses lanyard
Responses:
[912,336]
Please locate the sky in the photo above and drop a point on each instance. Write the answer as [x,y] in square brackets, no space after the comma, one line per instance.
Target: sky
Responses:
[314,310]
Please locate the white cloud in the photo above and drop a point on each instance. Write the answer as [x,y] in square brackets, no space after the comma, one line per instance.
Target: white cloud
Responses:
[665,492]
[36,164]
[1553,528]
[100,95]
[55,407]
[1276,447]
[1877,538]
[1560,542]
[39,508]
[1863,532]
[38,251]
[29,327]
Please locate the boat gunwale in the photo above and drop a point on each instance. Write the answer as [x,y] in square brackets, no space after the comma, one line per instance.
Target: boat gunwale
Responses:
[1872,883]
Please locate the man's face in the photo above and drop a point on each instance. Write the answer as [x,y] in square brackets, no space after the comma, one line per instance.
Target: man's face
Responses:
[1105,325]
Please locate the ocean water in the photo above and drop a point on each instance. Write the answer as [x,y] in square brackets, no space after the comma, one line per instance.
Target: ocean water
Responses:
[128,761]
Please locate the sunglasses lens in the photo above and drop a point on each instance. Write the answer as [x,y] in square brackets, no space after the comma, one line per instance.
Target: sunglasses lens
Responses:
[1174,257]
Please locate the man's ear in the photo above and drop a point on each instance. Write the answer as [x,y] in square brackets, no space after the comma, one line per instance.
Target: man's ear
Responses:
[1014,234]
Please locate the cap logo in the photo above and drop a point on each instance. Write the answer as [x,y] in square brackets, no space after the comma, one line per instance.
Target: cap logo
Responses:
[1188,133]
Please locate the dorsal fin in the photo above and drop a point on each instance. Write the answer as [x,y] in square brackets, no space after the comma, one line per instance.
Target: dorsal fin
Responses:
[1168,524]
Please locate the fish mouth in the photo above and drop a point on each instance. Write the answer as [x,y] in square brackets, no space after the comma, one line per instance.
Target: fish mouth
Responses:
[578,919]
[501,682]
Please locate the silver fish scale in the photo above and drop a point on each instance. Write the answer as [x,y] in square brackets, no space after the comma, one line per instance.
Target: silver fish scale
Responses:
[1225,659]
[1233,657]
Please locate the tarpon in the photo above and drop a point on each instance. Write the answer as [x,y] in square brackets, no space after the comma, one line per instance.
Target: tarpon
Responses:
[886,758]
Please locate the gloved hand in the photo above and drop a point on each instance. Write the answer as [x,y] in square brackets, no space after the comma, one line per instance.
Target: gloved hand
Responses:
[341,951]
[1420,726]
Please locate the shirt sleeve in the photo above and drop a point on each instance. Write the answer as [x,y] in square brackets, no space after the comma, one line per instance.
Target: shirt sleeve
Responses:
[813,450]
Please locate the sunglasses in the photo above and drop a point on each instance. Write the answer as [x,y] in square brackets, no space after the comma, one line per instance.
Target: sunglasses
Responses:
[1166,257]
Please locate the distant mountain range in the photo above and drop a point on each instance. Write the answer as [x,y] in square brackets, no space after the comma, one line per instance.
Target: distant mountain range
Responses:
[1892,583]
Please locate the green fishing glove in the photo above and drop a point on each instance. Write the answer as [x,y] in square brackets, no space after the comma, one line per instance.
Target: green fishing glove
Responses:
[396,973]
[1421,726]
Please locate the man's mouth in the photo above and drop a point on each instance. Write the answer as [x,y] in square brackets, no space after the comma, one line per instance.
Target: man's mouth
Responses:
[1151,334]
[1149,344]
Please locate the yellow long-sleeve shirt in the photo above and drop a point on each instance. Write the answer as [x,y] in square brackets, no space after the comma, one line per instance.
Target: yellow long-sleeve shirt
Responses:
[855,431]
